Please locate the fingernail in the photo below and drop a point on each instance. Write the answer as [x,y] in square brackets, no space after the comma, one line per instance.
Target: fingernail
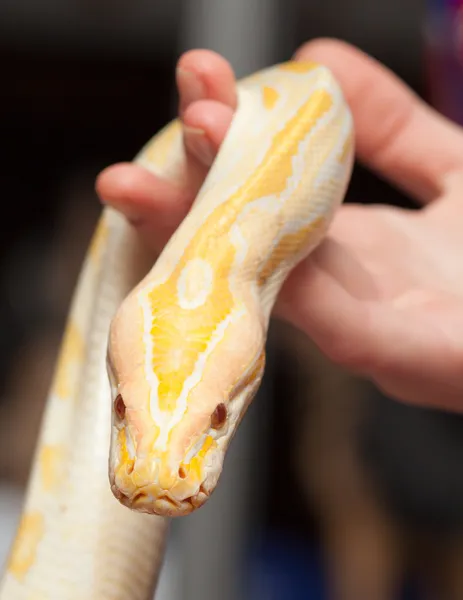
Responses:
[198,144]
[191,88]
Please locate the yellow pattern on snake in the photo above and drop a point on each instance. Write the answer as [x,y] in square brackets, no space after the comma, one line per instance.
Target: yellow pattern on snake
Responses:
[183,342]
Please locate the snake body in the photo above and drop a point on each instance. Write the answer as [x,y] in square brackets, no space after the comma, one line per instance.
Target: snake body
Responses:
[186,348]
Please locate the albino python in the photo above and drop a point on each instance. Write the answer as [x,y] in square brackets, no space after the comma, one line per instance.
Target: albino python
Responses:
[186,343]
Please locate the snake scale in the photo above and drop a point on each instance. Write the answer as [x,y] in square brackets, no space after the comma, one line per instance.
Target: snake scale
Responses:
[159,363]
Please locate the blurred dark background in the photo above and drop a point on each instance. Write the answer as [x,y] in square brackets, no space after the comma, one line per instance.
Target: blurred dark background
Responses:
[334,492]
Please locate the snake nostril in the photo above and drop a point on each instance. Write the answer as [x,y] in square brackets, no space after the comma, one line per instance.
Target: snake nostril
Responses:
[119,407]
[181,473]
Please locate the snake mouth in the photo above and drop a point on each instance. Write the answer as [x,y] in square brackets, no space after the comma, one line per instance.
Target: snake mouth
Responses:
[163,504]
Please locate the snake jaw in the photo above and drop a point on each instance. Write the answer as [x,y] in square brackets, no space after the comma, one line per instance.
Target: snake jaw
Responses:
[164,504]
[151,499]
[155,484]
[152,483]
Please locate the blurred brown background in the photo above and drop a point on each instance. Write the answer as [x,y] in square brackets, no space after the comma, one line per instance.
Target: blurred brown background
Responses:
[322,496]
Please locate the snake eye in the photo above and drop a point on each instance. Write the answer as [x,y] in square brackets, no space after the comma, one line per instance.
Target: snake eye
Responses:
[219,416]
[119,407]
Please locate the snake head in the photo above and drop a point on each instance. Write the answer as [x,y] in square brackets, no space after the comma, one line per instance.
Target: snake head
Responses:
[168,443]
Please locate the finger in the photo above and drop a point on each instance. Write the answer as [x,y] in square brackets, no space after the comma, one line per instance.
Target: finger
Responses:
[315,300]
[203,74]
[397,134]
[419,352]
[343,320]
[153,205]
[412,350]
[205,126]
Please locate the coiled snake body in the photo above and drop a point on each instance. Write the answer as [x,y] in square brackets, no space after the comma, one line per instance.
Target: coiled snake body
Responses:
[186,343]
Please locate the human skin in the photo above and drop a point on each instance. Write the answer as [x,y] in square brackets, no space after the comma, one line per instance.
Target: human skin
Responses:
[383,294]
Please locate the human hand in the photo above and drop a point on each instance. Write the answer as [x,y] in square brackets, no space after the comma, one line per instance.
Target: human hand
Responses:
[383,294]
